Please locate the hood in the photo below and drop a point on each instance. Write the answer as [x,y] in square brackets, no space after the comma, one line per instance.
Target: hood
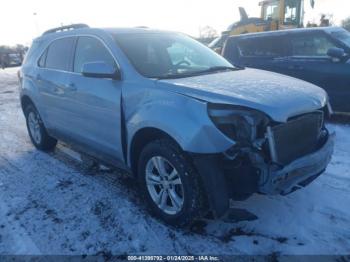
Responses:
[278,96]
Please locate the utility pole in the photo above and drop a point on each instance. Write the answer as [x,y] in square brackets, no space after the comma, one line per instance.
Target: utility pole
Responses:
[35,14]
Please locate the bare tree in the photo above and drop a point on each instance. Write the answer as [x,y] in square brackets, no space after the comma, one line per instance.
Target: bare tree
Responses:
[207,32]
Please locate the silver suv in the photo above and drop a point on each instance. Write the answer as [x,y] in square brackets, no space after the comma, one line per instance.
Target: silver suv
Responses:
[194,130]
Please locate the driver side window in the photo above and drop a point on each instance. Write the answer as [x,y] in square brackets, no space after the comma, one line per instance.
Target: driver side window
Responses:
[311,45]
[88,50]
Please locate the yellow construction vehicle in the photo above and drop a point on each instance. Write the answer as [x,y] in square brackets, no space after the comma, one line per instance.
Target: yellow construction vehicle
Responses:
[275,15]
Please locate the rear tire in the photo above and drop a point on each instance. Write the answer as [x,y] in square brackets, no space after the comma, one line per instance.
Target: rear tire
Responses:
[175,194]
[37,131]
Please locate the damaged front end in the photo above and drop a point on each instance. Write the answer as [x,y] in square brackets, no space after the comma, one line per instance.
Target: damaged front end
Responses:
[300,151]
[268,157]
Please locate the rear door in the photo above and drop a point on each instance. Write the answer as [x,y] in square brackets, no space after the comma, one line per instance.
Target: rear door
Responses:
[309,62]
[52,79]
[93,104]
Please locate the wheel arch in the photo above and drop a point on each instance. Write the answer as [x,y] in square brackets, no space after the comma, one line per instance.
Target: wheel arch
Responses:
[141,138]
[25,101]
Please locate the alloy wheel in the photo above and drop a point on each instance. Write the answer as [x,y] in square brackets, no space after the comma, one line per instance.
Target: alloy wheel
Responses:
[34,127]
[164,185]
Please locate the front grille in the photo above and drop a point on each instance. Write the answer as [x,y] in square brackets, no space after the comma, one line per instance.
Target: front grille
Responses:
[296,138]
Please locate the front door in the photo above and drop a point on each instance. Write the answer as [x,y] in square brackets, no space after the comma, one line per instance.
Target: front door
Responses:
[309,62]
[93,104]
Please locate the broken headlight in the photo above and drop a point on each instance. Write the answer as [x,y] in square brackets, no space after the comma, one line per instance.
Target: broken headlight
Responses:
[240,124]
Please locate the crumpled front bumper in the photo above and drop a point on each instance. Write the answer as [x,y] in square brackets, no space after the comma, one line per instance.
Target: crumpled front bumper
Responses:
[299,173]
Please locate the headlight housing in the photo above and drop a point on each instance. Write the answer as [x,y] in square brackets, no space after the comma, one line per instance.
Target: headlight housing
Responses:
[239,123]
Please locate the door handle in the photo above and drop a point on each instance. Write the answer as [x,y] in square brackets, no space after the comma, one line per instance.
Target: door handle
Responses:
[38,77]
[71,87]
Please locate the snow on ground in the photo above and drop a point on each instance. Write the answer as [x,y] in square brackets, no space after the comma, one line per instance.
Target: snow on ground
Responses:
[51,204]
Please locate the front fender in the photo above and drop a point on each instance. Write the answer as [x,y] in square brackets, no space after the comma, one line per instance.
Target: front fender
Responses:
[184,118]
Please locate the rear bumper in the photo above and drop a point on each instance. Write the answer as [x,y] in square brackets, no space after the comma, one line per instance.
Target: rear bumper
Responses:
[299,173]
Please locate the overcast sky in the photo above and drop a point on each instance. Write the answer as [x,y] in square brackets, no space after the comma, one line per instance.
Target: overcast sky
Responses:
[22,20]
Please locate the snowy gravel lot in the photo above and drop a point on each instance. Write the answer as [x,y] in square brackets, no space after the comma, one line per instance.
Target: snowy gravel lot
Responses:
[51,204]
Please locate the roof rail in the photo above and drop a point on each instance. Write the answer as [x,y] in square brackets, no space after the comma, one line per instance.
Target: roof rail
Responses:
[65,28]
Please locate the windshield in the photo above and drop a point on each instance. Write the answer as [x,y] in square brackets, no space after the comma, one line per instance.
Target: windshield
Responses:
[165,55]
[343,36]
[292,12]
[271,11]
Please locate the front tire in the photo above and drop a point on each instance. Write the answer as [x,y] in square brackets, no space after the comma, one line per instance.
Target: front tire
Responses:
[37,131]
[170,184]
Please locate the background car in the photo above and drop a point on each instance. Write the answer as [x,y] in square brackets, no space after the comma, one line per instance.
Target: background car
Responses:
[15,59]
[8,60]
[316,55]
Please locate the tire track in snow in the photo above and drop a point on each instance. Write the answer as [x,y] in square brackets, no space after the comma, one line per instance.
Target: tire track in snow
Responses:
[18,241]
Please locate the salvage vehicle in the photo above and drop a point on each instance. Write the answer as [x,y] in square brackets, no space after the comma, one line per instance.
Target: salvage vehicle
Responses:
[317,55]
[193,130]
[275,15]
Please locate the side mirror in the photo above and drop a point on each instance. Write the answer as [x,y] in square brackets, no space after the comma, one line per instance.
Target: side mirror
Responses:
[337,53]
[101,70]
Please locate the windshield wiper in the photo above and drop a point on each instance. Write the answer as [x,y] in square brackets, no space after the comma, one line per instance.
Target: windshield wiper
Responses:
[218,68]
[174,76]
[195,73]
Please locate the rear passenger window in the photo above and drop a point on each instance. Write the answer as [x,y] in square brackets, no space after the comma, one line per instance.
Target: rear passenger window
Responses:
[310,45]
[88,50]
[262,47]
[59,54]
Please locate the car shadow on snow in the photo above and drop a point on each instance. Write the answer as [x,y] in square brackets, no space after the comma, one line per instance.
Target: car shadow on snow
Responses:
[233,221]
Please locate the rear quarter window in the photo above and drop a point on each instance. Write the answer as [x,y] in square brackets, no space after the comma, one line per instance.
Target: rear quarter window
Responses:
[42,59]
[31,52]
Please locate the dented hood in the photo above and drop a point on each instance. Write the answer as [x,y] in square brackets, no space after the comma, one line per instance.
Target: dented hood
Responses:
[278,96]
